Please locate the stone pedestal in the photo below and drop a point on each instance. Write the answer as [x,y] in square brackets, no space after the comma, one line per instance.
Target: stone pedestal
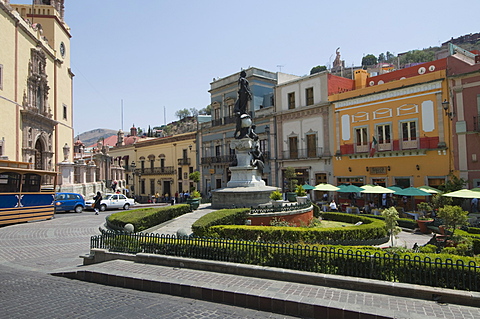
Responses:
[246,187]
[66,173]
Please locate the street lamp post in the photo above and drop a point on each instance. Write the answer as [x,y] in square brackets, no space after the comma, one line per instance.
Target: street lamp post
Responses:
[133,165]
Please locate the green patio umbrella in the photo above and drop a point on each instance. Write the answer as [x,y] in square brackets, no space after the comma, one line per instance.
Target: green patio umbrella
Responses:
[412,191]
[349,189]
[463,193]
[394,188]
[308,187]
[429,189]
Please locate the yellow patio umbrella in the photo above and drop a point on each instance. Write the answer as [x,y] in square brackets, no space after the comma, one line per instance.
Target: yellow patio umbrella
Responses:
[375,189]
[463,193]
[429,189]
[326,187]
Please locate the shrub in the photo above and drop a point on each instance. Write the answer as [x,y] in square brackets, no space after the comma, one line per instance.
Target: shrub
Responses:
[202,226]
[300,191]
[370,229]
[195,194]
[145,218]
[276,195]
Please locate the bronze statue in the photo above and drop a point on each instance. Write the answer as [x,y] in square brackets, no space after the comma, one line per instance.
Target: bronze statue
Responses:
[240,109]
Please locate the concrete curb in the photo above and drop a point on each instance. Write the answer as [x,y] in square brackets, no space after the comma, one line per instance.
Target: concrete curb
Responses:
[459,297]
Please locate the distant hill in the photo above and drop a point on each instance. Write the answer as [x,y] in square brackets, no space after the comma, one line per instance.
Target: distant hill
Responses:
[92,137]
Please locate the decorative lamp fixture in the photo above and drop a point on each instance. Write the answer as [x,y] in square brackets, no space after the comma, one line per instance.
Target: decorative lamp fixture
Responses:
[446,107]
[366,168]
[349,169]
[388,168]
[190,147]
[417,167]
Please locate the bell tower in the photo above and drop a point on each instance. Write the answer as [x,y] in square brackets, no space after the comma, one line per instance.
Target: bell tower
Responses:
[57,4]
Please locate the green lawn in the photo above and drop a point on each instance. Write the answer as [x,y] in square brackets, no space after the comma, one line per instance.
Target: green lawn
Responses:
[333,224]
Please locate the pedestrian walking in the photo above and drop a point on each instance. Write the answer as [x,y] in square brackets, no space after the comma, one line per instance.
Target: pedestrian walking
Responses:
[96,204]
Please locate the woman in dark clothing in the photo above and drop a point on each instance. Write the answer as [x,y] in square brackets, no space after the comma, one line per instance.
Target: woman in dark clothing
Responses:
[96,205]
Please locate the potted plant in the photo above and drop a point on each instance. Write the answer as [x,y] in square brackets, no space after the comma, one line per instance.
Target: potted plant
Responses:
[301,194]
[290,176]
[425,208]
[277,198]
[194,199]
[422,224]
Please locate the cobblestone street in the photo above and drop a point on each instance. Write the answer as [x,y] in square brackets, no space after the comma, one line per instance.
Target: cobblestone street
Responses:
[30,251]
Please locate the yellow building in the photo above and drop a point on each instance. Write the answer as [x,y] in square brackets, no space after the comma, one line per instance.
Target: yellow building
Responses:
[35,83]
[392,129]
[160,165]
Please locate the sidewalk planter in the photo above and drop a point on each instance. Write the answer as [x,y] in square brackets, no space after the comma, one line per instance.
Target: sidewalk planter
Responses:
[302,199]
[277,203]
[194,203]
[422,225]
[291,196]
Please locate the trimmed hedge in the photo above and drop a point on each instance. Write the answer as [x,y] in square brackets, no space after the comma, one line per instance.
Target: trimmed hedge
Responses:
[201,227]
[437,270]
[145,218]
[370,229]
[402,222]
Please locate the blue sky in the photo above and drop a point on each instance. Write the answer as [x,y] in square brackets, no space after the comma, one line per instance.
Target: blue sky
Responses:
[155,53]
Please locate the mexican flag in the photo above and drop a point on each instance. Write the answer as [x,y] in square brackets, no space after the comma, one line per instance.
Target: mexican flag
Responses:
[373,147]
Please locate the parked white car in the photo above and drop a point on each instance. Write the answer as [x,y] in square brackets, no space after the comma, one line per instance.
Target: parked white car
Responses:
[112,201]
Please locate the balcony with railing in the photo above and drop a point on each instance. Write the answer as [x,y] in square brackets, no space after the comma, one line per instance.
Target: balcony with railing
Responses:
[184,161]
[221,159]
[303,153]
[166,170]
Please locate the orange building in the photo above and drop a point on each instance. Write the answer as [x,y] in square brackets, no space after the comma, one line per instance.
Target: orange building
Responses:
[392,128]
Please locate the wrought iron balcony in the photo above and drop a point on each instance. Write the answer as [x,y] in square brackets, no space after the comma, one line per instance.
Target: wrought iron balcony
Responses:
[166,170]
[218,159]
[184,161]
[303,153]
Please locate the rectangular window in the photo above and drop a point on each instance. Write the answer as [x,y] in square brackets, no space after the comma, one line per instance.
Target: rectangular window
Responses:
[361,140]
[185,154]
[409,135]
[152,164]
[179,173]
[152,186]
[263,146]
[309,96]
[64,112]
[162,162]
[293,146]
[312,145]
[218,150]
[384,138]
[291,100]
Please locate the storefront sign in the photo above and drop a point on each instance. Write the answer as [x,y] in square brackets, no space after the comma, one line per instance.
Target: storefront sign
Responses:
[378,170]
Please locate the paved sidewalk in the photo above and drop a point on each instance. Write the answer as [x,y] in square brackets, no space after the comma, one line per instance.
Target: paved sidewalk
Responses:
[184,225]
[291,298]
[181,223]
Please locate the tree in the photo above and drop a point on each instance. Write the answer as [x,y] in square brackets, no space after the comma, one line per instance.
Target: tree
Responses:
[206,110]
[453,217]
[391,221]
[195,177]
[290,175]
[181,114]
[194,112]
[318,69]
[381,57]
[453,183]
[369,60]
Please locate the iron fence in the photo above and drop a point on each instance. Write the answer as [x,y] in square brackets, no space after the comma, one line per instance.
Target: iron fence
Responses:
[421,270]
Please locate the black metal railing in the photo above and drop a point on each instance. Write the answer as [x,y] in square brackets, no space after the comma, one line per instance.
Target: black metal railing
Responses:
[184,161]
[285,208]
[166,170]
[438,272]
[218,159]
[303,153]
[229,119]
[217,122]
